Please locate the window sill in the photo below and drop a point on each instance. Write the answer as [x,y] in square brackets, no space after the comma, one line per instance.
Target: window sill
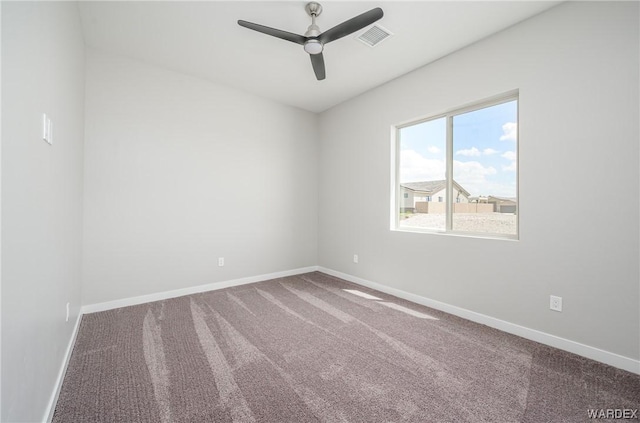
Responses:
[501,237]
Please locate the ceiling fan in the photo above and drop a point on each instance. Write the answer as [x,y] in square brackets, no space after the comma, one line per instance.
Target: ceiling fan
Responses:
[313,40]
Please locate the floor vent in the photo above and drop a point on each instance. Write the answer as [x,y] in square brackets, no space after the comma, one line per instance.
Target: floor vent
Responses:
[374,35]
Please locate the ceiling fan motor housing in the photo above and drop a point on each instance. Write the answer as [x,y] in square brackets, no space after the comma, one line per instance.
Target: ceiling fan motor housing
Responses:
[312,31]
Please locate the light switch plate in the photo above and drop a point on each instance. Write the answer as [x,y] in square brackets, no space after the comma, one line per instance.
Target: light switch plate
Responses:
[47,129]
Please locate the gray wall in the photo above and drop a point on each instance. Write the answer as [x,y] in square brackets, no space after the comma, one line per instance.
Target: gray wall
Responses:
[180,171]
[576,67]
[42,71]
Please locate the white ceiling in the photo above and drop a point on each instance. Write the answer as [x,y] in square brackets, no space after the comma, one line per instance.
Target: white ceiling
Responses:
[203,39]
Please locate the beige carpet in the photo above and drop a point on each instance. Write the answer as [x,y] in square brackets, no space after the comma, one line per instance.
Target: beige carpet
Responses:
[316,348]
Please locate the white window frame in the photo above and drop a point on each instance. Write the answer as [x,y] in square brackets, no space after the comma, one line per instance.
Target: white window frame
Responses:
[449,115]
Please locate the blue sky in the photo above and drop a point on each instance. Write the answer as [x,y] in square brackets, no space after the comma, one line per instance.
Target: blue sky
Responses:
[484,150]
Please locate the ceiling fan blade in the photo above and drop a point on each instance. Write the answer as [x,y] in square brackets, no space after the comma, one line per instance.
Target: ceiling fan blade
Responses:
[317,61]
[351,26]
[289,36]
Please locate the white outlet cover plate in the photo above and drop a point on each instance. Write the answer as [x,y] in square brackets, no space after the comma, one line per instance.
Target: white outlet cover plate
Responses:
[555,303]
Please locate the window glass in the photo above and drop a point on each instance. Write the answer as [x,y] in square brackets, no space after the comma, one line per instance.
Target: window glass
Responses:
[484,170]
[458,172]
[422,168]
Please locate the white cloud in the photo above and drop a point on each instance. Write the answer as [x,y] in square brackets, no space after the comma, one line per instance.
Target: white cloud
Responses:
[509,155]
[474,152]
[511,168]
[470,152]
[433,149]
[472,171]
[510,131]
[512,156]
[472,176]
[498,189]
[414,167]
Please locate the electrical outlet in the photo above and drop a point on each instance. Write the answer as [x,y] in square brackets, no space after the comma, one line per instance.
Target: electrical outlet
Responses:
[220,261]
[555,303]
[355,258]
[67,318]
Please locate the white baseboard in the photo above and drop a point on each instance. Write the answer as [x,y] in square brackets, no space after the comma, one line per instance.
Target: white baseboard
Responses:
[125,302]
[587,351]
[51,407]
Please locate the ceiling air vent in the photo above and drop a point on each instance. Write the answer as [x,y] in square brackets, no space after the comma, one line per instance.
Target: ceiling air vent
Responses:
[374,35]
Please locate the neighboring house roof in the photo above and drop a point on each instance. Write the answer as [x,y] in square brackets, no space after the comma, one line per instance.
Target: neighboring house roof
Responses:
[502,199]
[432,187]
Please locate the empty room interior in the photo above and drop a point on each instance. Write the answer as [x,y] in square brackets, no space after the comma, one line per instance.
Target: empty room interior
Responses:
[434,217]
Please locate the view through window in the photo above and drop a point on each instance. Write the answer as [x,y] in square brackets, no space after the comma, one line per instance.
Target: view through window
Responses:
[458,172]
